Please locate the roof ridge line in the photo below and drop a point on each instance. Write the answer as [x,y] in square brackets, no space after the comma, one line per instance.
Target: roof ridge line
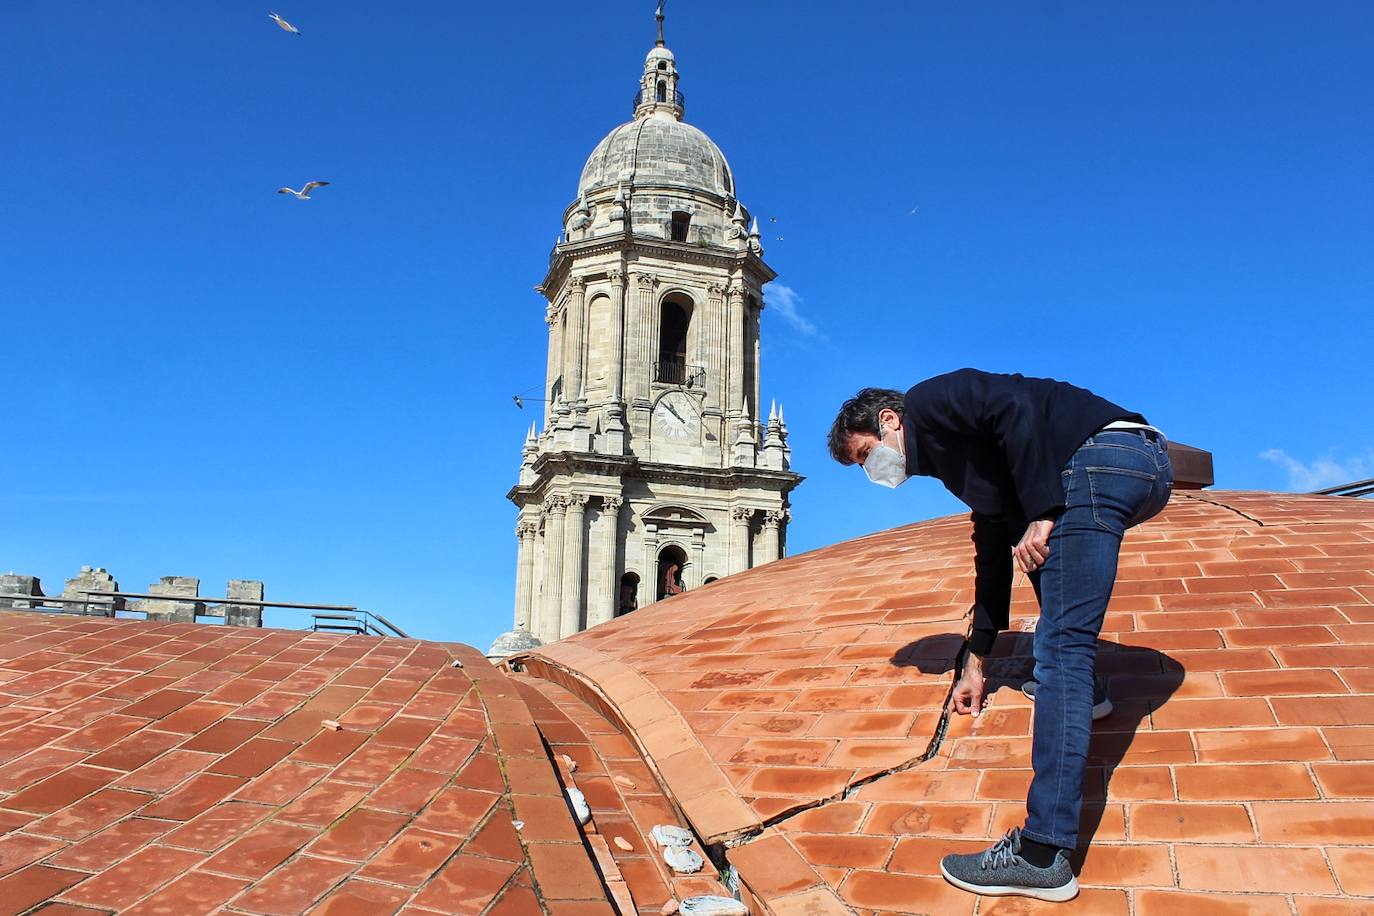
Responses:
[642,716]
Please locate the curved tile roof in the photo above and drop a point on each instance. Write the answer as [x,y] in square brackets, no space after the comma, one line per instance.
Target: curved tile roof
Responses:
[793,712]
[177,768]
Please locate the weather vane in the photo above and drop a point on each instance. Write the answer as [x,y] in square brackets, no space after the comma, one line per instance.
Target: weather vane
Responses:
[659,16]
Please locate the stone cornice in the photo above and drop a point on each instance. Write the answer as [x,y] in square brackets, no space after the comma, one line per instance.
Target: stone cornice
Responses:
[628,243]
[551,465]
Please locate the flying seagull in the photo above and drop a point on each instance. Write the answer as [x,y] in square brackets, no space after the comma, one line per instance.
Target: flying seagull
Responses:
[284,24]
[303,193]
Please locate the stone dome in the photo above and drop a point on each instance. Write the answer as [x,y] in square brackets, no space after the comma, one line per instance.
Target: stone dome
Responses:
[658,151]
[517,640]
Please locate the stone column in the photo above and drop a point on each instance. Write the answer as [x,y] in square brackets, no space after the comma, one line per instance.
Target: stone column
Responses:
[650,578]
[739,541]
[772,540]
[551,603]
[698,567]
[575,343]
[525,530]
[605,592]
[573,544]
[752,354]
[715,346]
[555,360]
[735,360]
[646,340]
[617,328]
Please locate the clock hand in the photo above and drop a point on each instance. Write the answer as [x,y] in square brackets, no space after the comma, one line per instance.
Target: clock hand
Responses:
[674,412]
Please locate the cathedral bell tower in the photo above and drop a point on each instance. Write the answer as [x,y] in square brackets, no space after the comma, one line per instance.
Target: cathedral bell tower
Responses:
[654,470]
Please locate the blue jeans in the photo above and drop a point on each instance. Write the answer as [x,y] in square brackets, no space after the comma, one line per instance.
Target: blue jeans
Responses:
[1116,479]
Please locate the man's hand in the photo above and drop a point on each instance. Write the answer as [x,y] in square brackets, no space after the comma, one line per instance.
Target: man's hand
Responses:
[967,698]
[1034,548]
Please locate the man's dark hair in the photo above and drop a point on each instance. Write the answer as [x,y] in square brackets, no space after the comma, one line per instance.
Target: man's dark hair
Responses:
[859,414]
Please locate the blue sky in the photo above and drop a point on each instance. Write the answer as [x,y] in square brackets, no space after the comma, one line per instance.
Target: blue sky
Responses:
[1169,203]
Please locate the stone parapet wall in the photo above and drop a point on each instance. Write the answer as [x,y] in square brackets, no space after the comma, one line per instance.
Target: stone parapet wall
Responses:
[82,594]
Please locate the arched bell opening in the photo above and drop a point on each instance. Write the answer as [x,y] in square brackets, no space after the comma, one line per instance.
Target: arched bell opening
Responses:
[675,321]
[671,562]
[629,594]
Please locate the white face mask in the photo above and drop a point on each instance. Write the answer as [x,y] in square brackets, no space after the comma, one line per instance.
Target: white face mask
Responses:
[886,466]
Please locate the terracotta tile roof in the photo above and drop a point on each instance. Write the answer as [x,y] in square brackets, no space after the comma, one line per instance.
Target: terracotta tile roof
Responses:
[792,713]
[160,768]
[789,716]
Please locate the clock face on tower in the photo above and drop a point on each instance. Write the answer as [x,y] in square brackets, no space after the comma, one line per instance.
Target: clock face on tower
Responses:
[676,417]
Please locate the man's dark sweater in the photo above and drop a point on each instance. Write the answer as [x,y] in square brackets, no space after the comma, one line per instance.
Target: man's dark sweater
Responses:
[999,443]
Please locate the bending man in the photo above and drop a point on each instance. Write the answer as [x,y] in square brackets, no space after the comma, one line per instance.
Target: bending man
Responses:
[1054,475]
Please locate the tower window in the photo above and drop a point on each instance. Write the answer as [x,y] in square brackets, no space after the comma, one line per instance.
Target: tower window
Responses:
[663,65]
[674,321]
[681,221]
[661,93]
[671,561]
[629,594]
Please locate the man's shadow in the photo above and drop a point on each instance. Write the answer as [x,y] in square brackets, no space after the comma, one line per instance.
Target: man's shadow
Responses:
[1138,681]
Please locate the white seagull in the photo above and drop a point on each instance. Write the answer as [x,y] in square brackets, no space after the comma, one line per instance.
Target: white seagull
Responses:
[284,24]
[303,193]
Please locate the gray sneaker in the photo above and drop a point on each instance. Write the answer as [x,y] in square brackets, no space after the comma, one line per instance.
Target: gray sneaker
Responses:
[1102,706]
[1000,870]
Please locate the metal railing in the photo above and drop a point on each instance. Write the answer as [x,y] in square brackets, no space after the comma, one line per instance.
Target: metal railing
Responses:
[111,604]
[675,372]
[1356,488]
[647,96]
[361,623]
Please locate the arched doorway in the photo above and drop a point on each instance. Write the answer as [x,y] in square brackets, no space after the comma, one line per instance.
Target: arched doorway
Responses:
[629,594]
[671,560]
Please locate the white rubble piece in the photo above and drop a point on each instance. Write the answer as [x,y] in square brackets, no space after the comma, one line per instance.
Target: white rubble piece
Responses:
[579,804]
[712,906]
[671,835]
[683,860]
